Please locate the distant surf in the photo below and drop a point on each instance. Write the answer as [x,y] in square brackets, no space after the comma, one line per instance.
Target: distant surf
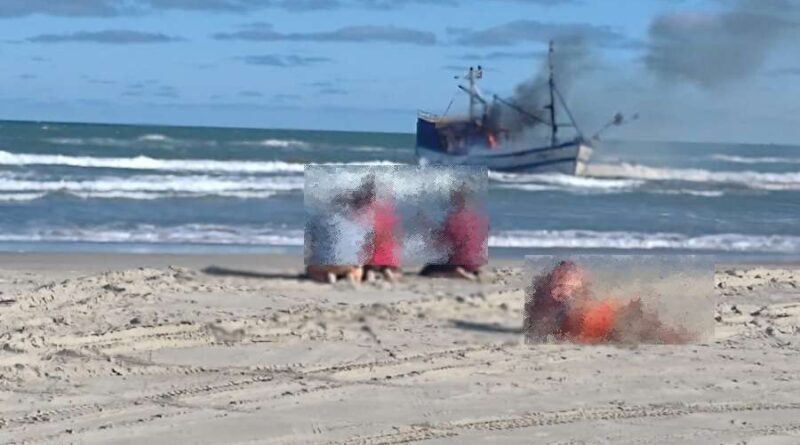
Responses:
[749,179]
[545,239]
[755,160]
[147,163]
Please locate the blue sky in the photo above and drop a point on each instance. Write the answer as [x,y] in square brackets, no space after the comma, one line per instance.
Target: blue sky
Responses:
[716,70]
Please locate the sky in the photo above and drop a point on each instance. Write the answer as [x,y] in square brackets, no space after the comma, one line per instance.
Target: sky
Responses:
[694,70]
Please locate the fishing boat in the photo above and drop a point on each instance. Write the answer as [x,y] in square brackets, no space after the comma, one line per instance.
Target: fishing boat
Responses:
[480,139]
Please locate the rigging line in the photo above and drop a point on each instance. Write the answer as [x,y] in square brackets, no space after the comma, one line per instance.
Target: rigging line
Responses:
[520,110]
[569,113]
[447,110]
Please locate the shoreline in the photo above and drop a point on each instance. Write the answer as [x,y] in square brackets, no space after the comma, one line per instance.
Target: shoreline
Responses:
[100,261]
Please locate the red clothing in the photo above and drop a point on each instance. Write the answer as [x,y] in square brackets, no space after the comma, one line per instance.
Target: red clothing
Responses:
[466,232]
[593,322]
[386,250]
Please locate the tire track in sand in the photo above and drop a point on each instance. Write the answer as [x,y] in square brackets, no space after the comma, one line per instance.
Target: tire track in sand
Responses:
[256,376]
[416,433]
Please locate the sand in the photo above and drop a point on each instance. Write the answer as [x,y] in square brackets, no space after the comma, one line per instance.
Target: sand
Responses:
[235,349]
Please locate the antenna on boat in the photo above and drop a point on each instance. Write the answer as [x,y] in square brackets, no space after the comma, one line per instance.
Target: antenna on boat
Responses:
[552,106]
[473,75]
[556,94]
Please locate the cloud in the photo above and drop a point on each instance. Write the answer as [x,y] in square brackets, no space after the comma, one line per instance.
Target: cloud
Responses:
[397,4]
[96,81]
[780,72]
[282,97]
[366,33]
[105,8]
[321,84]
[520,31]
[110,37]
[242,5]
[332,91]
[151,88]
[712,48]
[283,61]
[505,55]
[250,93]
[208,5]
[68,8]
[27,76]
[167,91]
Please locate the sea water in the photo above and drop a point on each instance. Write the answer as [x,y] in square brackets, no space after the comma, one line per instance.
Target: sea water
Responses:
[87,187]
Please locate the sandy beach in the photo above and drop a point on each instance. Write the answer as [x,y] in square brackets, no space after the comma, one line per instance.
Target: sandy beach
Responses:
[163,349]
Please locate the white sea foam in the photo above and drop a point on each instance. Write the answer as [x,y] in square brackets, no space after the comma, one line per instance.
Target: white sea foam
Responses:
[166,185]
[174,165]
[78,142]
[565,181]
[147,163]
[700,193]
[755,160]
[275,143]
[238,194]
[587,239]
[149,234]
[154,138]
[750,179]
[248,235]
[368,149]
[21,196]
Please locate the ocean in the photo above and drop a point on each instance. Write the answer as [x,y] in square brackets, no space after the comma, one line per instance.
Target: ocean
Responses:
[132,188]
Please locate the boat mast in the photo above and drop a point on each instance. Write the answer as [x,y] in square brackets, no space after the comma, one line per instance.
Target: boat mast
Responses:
[473,75]
[552,106]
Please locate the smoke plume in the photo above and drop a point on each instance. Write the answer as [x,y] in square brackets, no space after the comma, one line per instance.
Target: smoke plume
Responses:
[713,48]
[572,56]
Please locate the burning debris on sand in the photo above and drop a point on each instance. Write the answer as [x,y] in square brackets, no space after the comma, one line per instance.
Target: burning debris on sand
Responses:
[621,300]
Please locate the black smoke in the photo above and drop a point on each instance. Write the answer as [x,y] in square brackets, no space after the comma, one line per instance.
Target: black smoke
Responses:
[714,48]
[572,56]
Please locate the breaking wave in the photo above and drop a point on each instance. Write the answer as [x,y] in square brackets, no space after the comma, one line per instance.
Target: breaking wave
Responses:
[587,239]
[260,236]
[749,179]
[147,163]
[755,160]
[6,197]
[150,234]
[170,165]
[557,180]
[154,138]
[150,187]
[274,143]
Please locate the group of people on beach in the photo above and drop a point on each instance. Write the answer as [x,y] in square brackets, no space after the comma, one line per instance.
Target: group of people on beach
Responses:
[360,238]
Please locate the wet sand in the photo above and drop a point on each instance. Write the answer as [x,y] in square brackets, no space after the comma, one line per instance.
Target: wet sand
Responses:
[166,349]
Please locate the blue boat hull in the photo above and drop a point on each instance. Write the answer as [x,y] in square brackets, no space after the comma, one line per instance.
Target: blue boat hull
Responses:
[568,158]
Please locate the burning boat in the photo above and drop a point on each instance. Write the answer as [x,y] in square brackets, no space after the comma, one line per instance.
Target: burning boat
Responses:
[481,138]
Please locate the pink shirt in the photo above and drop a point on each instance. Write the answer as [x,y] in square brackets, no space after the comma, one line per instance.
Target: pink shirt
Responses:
[466,232]
[386,249]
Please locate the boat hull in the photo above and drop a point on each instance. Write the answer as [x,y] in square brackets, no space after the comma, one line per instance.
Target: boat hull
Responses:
[568,158]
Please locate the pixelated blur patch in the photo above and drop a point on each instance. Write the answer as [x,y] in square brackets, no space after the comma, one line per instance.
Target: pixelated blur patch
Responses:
[593,299]
[396,215]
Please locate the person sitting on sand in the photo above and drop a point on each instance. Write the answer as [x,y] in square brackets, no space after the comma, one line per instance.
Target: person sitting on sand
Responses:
[464,236]
[562,307]
[383,247]
[335,242]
